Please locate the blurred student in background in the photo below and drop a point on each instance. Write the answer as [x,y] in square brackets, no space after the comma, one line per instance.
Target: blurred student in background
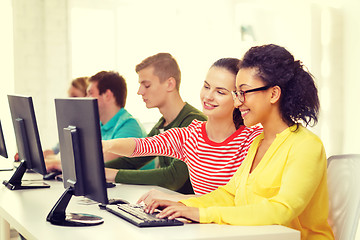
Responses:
[214,149]
[109,88]
[159,78]
[115,121]
[78,87]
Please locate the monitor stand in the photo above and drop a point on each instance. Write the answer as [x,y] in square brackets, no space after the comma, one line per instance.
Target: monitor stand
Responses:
[57,215]
[15,182]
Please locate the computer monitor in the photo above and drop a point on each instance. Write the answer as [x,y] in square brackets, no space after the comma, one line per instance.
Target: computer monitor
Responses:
[81,159]
[5,165]
[3,151]
[27,141]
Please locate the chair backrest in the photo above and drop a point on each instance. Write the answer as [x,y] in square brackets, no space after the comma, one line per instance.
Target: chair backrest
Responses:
[344,195]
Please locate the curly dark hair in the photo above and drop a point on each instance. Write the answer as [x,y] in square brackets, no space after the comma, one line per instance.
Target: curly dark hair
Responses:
[232,65]
[276,66]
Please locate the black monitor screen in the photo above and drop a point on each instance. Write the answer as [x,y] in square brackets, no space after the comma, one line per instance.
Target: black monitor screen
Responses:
[81,154]
[27,141]
[3,151]
[5,165]
[26,132]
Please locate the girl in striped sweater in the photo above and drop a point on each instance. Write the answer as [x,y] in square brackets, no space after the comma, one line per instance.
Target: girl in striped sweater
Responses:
[213,150]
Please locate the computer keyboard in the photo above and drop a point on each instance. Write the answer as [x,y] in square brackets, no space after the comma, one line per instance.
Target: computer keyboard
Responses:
[136,215]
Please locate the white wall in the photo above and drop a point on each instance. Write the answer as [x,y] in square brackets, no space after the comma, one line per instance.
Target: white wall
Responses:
[351,65]
[119,34]
[57,40]
[41,58]
[7,73]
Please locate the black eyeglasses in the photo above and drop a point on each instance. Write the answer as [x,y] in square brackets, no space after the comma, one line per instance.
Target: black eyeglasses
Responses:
[240,95]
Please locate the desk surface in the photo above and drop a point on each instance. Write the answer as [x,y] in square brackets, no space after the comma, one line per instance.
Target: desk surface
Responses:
[26,211]
[5,164]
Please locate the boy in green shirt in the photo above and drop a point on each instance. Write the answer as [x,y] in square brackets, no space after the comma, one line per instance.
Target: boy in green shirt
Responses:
[159,78]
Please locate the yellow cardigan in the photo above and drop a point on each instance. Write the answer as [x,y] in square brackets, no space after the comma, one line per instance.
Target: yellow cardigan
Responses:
[288,187]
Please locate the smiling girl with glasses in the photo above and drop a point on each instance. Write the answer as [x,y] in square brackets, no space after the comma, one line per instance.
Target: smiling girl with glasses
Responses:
[283,177]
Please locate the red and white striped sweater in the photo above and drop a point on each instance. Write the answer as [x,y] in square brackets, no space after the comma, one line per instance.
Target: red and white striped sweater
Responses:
[210,164]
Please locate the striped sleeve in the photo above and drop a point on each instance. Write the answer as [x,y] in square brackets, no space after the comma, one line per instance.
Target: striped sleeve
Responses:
[170,143]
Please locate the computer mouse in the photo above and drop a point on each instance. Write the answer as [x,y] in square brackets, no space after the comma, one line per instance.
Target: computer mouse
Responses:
[51,175]
[59,178]
[110,185]
[114,201]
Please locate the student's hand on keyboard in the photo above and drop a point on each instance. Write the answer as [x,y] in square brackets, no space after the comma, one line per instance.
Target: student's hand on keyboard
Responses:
[173,210]
[153,194]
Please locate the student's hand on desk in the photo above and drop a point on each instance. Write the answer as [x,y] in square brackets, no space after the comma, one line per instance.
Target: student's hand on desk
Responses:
[52,164]
[173,210]
[153,194]
[110,174]
[48,153]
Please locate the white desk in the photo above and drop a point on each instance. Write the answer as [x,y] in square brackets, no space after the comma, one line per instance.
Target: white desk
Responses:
[5,164]
[26,211]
